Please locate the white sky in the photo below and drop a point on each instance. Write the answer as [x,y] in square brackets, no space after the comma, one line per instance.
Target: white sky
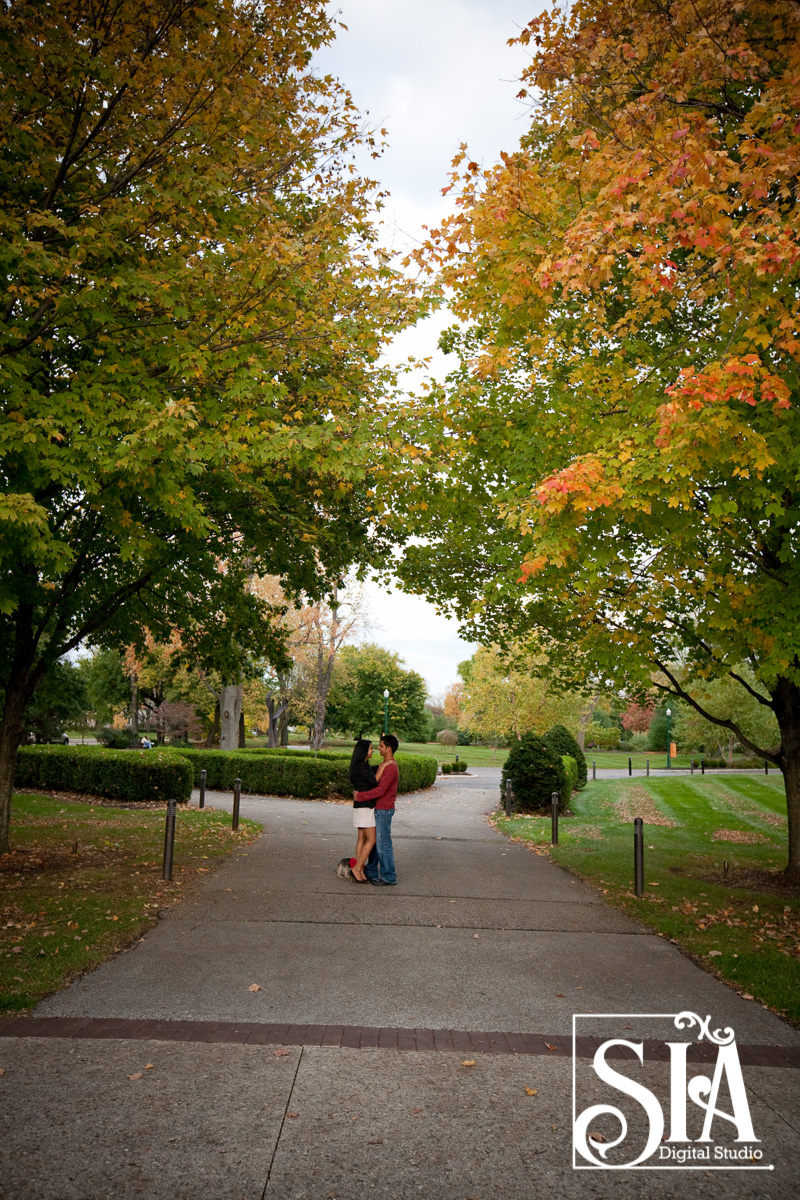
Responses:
[434,73]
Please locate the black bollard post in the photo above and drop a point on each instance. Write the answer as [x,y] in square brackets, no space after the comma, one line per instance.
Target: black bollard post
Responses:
[691,766]
[594,769]
[202,790]
[638,856]
[648,767]
[554,818]
[237,795]
[456,758]
[508,797]
[630,767]
[702,765]
[766,767]
[169,840]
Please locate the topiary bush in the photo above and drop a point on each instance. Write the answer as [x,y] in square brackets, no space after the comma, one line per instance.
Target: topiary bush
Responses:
[570,778]
[561,740]
[535,771]
[133,775]
[447,768]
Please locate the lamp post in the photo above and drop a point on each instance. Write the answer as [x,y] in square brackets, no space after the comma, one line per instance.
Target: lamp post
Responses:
[386,711]
[669,756]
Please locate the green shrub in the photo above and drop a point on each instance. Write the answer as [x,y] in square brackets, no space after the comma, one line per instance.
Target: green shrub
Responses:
[137,775]
[570,778]
[296,773]
[561,740]
[447,768]
[535,771]
[114,739]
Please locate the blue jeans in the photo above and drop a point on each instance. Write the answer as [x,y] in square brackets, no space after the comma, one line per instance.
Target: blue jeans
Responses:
[382,853]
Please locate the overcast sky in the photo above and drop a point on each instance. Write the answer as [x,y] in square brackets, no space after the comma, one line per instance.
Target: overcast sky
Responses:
[434,73]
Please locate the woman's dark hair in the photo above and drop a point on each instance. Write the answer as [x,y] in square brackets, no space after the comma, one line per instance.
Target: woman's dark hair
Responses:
[362,775]
[360,751]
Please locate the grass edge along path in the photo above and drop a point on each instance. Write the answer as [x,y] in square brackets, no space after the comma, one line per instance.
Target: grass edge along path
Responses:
[83,882]
[743,926]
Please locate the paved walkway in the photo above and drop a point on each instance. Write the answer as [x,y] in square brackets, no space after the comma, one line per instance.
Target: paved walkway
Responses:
[343,1075]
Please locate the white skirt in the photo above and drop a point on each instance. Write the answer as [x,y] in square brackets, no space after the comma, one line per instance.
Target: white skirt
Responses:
[364,818]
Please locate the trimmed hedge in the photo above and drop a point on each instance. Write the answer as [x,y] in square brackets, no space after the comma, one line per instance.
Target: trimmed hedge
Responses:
[297,773]
[561,740]
[535,771]
[571,778]
[137,775]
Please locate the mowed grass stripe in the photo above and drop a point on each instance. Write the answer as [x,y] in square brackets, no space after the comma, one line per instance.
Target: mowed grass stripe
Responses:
[743,926]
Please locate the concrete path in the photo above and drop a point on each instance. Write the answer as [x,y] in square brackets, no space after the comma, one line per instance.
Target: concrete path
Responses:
[479,935]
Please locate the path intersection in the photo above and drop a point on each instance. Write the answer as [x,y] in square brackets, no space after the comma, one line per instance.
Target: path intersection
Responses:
[397,1042]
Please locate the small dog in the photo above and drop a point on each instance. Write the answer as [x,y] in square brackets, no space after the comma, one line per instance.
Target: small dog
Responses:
[345,868]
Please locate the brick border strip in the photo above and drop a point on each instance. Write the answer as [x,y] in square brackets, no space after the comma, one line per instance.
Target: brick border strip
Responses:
[363,1037]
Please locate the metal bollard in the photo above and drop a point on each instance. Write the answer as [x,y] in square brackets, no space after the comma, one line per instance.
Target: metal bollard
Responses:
[594,769]
[554,818]
[456,758]
[202,803]
[766,767]
[648,766]
[691,766]
[638,856]
[169,840]
[237,795]
[702,766]
[630,767]
[508,797]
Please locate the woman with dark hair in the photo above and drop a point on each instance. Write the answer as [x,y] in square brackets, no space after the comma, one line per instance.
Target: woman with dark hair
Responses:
[363,778]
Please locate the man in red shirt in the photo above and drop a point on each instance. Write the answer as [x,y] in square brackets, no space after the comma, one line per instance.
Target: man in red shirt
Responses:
[379,867]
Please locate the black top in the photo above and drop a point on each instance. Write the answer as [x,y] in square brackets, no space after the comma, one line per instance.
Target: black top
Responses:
[362,775]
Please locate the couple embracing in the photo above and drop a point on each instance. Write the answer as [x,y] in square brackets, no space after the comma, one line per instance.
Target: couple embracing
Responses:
[373,808]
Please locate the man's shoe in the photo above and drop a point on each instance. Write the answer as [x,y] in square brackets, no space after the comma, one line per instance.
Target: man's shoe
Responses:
[380,883]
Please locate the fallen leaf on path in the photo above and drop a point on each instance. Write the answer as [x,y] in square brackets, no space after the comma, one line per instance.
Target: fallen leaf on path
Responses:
[746,996]
[414,1111]
[137,1075]
[476,935]
[714,953]
[293,1115]
[560,995]
[596,1137]
[531,1091]
[148,1066]
[254,987]
[279,1053]
[468,1062]
[549,1047]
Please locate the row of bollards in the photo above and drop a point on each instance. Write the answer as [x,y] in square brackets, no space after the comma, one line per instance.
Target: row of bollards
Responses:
[172,806]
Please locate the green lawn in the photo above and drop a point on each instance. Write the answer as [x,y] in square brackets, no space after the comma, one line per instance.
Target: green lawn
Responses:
[744,926]
[84,880]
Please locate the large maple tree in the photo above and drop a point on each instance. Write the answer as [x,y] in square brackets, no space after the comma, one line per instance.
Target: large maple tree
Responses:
[619,448]
[194,309]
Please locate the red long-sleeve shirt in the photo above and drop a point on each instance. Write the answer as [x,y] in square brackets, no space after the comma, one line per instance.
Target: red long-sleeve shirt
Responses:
[385,793]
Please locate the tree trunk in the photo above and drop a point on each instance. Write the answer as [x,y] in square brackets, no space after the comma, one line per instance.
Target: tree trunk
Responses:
[230,707]
[214,730]
[11,729]
[241,730]
[285,729]
[134,708]
[786,702]
[324,673]
[275,715]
